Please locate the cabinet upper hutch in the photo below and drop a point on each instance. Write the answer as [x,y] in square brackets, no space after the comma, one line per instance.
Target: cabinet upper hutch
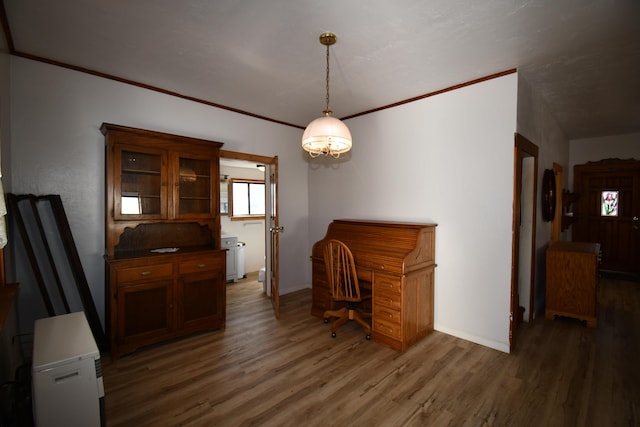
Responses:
[165,269]
[154,177]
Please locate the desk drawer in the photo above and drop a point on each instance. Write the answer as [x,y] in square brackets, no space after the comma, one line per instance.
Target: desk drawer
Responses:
[387,328]
[144,273]
[387,299]
[385,282]
[365,275]
[387,314]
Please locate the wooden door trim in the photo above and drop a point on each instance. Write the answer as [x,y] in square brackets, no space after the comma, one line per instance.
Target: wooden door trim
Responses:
[274,222]
[605,165]
[273,162]
[556,222]
[225,154]
[522,148]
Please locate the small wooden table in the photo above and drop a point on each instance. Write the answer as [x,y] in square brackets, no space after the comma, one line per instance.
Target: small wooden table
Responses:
[572,279]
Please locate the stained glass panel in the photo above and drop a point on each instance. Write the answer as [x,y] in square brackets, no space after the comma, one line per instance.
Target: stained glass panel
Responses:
[609,203]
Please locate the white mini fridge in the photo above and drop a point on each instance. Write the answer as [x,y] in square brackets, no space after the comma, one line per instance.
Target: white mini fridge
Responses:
[66,373]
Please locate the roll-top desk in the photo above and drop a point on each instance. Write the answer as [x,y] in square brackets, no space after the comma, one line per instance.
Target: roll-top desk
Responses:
[397,260]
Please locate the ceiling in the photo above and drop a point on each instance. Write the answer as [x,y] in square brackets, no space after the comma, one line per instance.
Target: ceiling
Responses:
[264,57]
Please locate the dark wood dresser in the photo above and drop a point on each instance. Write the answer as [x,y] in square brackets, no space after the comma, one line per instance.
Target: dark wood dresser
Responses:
[397,260]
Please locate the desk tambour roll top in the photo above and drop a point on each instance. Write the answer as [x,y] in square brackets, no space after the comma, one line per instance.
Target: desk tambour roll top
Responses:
[397,260]
[393,247]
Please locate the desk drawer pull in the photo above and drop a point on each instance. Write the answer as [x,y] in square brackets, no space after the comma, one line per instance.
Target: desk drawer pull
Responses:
[390,329]
[391,285]
[386,314]
[385,299]
[384,327]
[145,273]
[388,300]
[202,265]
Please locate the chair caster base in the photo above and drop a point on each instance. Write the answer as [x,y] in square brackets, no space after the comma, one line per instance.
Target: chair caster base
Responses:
[326,320]
[333,334]
[368,337]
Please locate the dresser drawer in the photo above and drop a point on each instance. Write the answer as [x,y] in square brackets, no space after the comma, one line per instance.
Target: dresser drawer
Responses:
[387,299]
[387,314]
[200,265]
[385,282]
[144,273]
[387,328]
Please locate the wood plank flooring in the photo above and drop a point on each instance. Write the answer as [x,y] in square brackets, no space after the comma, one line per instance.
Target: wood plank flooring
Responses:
[290,372]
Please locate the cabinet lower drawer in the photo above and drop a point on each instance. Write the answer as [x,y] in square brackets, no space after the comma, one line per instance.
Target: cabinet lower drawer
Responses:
[387,328]
[144,273]
[388,299]
[385,313]
[199,265]
[386,282]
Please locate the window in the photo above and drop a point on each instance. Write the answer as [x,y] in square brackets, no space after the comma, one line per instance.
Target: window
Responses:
[246,198]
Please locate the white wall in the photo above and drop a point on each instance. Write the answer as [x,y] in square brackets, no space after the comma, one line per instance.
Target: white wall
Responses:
[537,124]
[57,148]
[446,159]
[585,150]
[10,350]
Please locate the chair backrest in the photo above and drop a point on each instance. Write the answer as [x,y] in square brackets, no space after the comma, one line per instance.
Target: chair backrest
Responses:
[341,271]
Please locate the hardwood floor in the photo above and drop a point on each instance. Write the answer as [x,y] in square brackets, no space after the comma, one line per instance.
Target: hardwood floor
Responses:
[290,372]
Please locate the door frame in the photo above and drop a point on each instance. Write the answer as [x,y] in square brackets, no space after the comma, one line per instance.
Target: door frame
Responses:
[523,148]
[272,278]
[272,236]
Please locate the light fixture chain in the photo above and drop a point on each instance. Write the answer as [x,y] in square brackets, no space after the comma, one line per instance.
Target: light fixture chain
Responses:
[327,135]
[328,78]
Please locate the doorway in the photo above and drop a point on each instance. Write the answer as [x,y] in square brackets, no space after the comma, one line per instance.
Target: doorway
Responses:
[524,232]
[608,212]
[260,229]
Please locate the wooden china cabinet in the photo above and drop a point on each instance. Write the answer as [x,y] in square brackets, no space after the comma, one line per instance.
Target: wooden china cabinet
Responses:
[165,271]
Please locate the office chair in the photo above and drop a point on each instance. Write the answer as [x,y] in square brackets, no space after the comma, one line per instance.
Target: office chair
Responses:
[344,287]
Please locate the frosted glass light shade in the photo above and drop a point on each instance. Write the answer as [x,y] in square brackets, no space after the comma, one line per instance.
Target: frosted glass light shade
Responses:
[326,135]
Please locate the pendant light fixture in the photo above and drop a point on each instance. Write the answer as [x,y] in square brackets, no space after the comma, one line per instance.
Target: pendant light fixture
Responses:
[327,135]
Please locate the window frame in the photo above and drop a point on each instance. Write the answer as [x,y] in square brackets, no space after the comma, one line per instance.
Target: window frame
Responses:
[232,215]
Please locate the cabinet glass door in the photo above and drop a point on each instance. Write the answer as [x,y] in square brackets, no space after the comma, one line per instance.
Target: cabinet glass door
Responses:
[140,192]
[195,192]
